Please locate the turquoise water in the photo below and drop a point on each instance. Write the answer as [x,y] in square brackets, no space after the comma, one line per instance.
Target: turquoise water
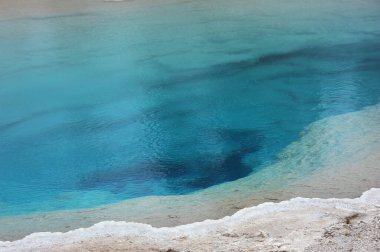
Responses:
[171,98]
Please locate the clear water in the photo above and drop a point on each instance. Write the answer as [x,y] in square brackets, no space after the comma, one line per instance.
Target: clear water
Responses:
[171,98]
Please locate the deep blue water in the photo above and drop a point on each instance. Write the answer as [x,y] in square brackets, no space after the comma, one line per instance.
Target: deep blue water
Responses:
[109,105]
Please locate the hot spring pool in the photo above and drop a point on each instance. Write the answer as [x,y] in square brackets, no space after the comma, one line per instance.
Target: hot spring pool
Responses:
[102,105]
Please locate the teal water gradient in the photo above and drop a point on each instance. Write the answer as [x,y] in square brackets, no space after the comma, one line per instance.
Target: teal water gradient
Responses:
[98,107]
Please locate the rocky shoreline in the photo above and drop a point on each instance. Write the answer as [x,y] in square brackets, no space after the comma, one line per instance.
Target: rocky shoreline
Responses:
[299,224]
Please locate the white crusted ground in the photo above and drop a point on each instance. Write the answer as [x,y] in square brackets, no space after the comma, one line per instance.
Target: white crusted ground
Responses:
[296,225]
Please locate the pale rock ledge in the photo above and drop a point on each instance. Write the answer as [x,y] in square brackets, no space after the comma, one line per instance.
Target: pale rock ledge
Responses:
[299,224]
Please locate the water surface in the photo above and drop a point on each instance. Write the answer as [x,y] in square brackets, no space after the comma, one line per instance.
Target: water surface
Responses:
[173,97]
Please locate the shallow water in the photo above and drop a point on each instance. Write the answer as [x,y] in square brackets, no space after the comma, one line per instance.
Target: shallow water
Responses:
[101,106]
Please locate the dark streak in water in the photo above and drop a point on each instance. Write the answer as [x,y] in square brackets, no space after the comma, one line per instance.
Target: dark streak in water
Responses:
[78,14]
[38,18]
[41,114]
[231,68]
[365,53]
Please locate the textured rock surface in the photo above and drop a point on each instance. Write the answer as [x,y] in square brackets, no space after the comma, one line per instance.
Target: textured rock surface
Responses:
[296,225]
